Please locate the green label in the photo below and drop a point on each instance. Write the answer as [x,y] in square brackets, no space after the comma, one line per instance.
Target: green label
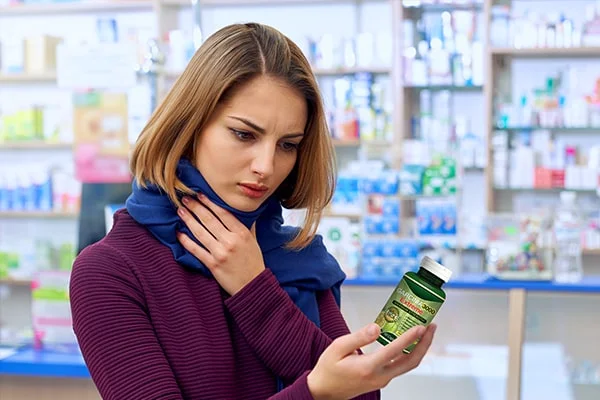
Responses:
[405,309]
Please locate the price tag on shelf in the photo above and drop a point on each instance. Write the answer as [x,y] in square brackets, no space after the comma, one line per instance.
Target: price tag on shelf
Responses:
[96,66]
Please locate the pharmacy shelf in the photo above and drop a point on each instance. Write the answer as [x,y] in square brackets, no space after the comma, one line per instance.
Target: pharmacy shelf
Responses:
[590,284]
[350,71]
[320,71]
[346,142]
[441,7]
[35,145]
[453,88]
[15,282]
[37,215]
[593,130]
[83,6]
[331,214]
[45,363]
[217,3]
[568,52]
[28,77]
[547,190]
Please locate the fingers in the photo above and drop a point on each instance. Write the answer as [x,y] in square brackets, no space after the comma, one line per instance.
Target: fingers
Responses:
[212,223]
[225,217]
[348,344]
[395,350]
[197,251]
[199,231]
[408,362]
[421,349]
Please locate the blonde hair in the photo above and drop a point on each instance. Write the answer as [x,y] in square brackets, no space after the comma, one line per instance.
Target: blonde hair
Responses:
[227,59]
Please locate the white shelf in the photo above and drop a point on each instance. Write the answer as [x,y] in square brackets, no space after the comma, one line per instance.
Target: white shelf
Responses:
[318,71]
[85,6]
[15,282]
[217,3]
[37,215]
[346,142]
[26,77]
[35,145]
[567,52]
[350,71]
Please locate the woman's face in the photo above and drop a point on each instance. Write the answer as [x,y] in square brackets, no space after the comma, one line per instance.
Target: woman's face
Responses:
[250,144]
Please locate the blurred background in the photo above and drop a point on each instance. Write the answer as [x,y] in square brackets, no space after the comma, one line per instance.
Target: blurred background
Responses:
[466,130]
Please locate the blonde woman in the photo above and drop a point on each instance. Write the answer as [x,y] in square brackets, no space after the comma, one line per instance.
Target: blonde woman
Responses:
[199,291]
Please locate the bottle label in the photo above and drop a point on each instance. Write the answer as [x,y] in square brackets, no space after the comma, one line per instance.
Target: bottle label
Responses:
[411,304]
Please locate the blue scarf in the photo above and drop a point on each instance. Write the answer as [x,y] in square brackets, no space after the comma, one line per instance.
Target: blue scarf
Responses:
[300,273]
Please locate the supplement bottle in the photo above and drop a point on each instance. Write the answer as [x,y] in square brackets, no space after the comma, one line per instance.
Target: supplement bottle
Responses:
[415,301]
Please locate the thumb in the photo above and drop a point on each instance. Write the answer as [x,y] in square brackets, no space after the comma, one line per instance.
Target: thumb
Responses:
[348,344]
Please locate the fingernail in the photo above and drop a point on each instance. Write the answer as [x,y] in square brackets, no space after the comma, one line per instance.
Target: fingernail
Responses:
[201,196]
[373,330]
[185,200]
[181,210]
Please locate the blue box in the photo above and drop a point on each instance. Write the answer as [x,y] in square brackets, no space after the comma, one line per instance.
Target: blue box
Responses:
[449,225]
[390,225]
[411,179]
[373,225]
[423,218]
[371,249]
[387,183]
[391,208]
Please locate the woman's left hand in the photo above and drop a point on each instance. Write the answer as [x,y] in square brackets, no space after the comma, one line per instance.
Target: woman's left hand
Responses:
[232,253]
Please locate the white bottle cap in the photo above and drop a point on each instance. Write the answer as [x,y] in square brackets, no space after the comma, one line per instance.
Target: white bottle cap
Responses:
[436,268]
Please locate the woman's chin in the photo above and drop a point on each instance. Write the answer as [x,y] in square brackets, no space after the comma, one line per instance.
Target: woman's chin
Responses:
[245,204]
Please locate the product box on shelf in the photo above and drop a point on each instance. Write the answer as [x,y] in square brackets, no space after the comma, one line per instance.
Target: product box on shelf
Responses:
[520,247]
[436,217]
[342,239]
[389,259]
[411,180]
[50,309]
[40,53]
[346,197]
[440,177]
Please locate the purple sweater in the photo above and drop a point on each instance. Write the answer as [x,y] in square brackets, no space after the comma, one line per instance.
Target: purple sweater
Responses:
[151,329]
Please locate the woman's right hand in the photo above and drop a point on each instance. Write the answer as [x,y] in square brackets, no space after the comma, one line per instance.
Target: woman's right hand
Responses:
[342,373]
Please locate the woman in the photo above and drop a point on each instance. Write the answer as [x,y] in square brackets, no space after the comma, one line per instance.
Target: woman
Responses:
[198,291]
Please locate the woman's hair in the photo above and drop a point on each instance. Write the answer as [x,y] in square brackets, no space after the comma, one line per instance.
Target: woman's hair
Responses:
[227,59]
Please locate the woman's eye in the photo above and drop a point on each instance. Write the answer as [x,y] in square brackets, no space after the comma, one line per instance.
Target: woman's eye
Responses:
[242,135]
[289,146]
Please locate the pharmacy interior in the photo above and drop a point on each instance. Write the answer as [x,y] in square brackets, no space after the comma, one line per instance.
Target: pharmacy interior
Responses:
[465,130]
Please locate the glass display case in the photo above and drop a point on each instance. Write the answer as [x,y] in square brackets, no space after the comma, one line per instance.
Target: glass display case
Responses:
[561,355]
[469,357]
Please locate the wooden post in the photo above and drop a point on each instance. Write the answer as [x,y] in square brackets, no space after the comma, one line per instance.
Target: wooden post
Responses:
[516,334]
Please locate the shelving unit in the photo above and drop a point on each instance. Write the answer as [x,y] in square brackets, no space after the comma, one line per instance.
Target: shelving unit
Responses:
[566,52]
[87,6]
[15,282]
[37,215]
[497,57]
[35,145]
[28,78]
[224,3]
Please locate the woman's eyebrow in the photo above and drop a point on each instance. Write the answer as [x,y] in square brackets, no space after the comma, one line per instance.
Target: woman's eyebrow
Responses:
[262,130]
[249,123]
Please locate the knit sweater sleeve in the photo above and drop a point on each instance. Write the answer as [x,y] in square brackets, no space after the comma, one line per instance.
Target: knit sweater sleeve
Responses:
[114,332]
[281,335]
